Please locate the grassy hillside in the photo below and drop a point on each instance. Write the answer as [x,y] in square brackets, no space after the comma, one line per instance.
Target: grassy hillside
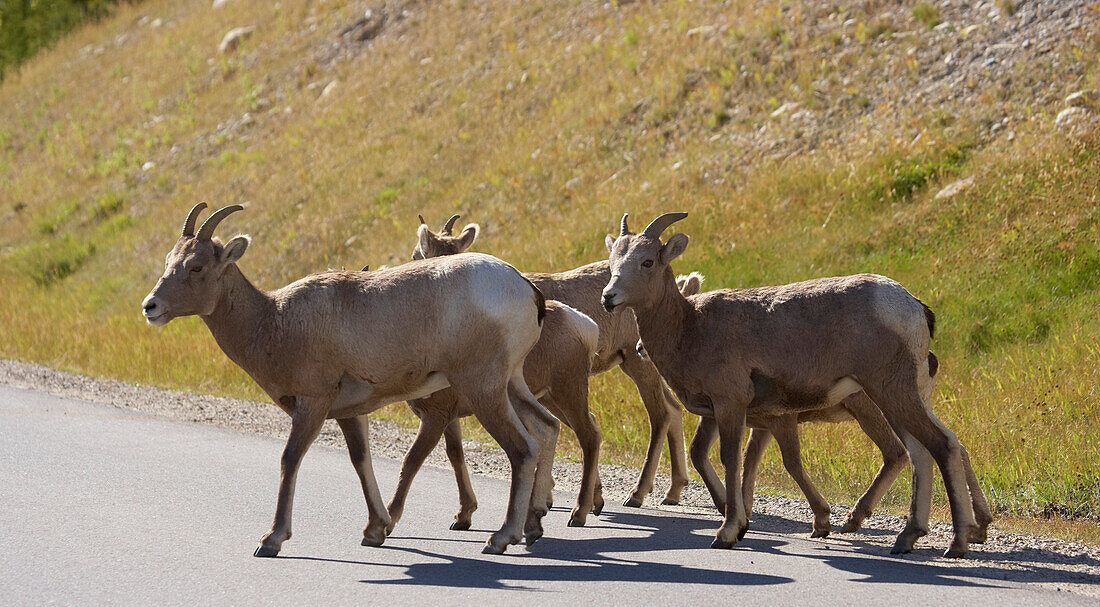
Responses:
[805,139]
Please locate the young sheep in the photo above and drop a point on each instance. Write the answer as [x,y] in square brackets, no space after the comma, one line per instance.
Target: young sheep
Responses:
[556,371]
[782,350]
[784,428]
[342,344]
[580,288]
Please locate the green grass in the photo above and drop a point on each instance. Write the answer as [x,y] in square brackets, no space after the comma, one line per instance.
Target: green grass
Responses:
[634,118]
[927,14]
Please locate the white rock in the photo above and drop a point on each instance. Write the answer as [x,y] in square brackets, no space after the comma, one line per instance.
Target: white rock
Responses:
[1072,117]
[1083,99]
[790,106]
[233,38]
[220,3]
[148,166]
[328,89]
[573,183]
[954,188]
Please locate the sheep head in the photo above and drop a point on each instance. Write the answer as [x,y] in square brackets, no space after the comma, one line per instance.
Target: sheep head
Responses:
[191,283]
[640,263]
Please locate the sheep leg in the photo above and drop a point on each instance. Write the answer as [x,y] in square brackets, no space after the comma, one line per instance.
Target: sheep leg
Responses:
[705,435]
[427,437]
[544,428]
[357,435]
[754,453]
[467,500]
[676,448]
[306,422]
[921,502]
[894,457]
[570,401]
[982,513]
[907,413]
[493,409]
[785,429]
[731,427]
[665,420]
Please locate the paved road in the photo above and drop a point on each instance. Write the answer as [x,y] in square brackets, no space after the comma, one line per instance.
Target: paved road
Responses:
[100,505]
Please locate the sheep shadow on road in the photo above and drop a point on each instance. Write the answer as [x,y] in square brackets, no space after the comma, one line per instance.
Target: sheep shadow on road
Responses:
[642,548]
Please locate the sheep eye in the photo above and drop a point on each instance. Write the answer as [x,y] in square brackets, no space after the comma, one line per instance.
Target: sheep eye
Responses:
[196,269]
[647,263]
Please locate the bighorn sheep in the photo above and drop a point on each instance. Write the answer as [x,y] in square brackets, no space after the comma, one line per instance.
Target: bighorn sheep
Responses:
[580,288]
[556,371]
[785,430]
[342,344]
[781,350]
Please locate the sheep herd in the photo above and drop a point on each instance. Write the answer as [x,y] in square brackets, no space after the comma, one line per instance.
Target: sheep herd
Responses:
[456,333]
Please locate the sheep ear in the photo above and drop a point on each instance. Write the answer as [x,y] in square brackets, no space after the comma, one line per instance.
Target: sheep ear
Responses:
[693,286]
[610,242]
[674,247]
[424,233]
[468,236]
[234,249]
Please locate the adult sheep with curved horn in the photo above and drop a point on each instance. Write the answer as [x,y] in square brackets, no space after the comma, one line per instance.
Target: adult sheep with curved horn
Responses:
[557,372]
[730,353]
[339,345]
[580,289]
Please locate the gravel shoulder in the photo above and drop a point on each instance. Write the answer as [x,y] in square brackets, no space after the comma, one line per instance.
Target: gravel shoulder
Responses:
[1053,563]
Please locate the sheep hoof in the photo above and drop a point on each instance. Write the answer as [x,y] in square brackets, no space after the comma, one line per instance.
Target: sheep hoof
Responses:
[978,535]
[633,502]
[850,526]
[821,530]
[668,501]
[460,525]
[265,552]
[532,536]
[955,553]
[597,508]
[576,522]
[491,549]
[721,544]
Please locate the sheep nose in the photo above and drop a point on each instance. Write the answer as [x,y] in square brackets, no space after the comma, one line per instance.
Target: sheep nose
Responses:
[149,305]
[609,301]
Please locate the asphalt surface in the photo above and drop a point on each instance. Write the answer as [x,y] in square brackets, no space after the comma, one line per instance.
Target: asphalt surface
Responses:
[101,505]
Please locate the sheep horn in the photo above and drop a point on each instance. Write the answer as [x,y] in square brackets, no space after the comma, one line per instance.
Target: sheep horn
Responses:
[421,218]
[623,230]
[206,230]
[189,223]
[447,227]
[659,225]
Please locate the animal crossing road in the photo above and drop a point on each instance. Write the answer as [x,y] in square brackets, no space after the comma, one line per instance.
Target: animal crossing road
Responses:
[101,505]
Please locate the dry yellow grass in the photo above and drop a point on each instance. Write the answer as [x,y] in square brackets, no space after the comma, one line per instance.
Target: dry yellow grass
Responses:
[544,122]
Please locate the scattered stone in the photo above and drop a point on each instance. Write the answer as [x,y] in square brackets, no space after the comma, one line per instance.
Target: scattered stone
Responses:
[148,166]
[233,38]
[328,89]
[954,188]
[1071,118]
[790,106]
[573,183]
[1086,99]
[366,28]
[220,3]
[702,30]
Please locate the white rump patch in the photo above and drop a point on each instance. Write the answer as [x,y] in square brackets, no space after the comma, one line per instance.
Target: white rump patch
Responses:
[842,389]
